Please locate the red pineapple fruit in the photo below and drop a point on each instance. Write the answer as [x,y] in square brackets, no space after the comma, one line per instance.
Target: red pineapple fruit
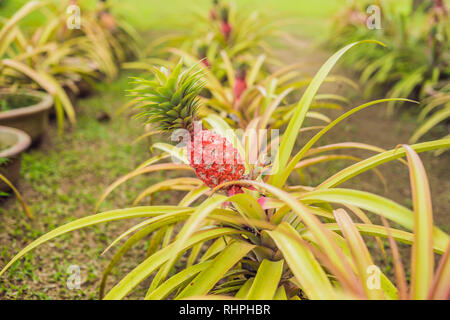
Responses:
[225,26]
[213,158]
[171,104]
[240,84]
[226,29]
[239,87]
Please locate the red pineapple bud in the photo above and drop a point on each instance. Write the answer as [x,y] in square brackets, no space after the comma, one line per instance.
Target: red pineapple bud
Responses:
[225,26]
[226,29]
[239,87]
[240,84]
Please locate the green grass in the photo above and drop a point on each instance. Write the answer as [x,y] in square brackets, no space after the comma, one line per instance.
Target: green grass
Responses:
[61,181]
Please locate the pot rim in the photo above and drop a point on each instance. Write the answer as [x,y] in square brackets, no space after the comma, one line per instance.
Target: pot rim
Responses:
[45,103]
[23,142]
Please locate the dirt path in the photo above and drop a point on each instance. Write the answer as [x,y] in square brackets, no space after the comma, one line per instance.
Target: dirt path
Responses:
[372,126]
[61,181]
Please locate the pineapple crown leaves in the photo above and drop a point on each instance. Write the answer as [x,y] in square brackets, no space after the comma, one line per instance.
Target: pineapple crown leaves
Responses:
[171,100]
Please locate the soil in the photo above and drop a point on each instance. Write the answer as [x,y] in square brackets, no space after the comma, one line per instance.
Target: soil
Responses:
[62,178]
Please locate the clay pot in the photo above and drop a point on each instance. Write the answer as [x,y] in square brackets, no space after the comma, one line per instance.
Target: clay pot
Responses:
[17,141]
[32,119]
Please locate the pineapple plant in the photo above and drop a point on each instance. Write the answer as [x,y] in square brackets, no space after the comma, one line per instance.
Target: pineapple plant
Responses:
[171,103]
[213,10]
[299,242]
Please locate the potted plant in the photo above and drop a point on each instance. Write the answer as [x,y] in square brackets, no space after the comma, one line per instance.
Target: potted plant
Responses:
[12,143]
[26,110]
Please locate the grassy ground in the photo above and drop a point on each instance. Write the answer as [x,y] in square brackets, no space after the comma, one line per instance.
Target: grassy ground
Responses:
[61,180]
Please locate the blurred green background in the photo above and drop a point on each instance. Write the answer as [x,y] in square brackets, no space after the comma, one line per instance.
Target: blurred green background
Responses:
[161,15]
[158,15]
